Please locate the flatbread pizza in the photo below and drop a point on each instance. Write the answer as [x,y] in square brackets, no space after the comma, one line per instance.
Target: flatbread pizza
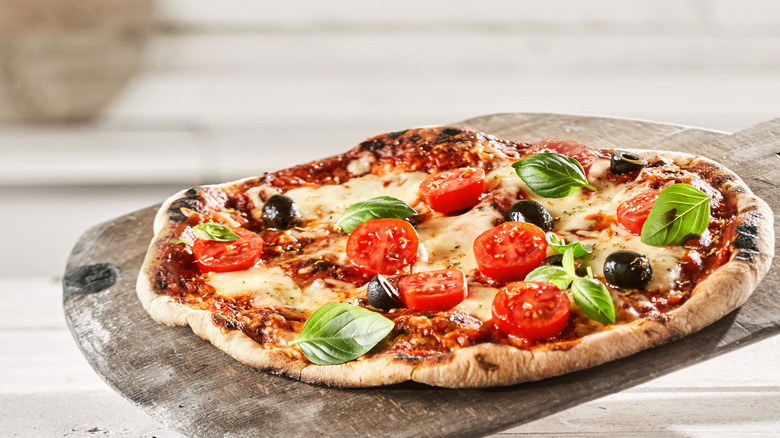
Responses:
[454,258]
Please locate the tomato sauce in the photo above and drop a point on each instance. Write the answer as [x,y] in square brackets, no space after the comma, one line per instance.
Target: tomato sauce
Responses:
[433,333]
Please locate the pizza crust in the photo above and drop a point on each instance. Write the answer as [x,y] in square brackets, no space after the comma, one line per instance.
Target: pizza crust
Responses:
[161,308]
[487,365]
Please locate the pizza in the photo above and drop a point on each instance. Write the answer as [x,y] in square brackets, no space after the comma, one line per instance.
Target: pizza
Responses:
[454,258]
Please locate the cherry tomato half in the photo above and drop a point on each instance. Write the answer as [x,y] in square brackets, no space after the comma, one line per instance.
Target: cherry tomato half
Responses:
[510,251]
[433,291]
[632,214]
[234,255]
[454,189]
[383,246]
[533,310]
[570,148]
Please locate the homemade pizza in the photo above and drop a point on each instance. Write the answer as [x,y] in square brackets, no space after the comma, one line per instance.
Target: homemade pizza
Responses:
[454,258]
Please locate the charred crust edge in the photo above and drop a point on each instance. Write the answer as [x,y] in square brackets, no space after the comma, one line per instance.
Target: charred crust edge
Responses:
[395,134]
[190,200]
[747,236]
[485,364]
[372,145]
[427,360]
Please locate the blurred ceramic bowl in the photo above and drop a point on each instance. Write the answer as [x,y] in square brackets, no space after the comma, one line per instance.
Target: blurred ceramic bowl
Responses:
[64,60]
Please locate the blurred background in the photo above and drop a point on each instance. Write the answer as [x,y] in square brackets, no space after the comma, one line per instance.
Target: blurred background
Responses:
[108,106]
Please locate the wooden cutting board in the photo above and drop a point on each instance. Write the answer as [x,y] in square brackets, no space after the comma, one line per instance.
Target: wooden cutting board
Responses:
[195,389]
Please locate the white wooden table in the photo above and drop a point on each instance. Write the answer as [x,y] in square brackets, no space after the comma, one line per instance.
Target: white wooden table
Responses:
[225,86]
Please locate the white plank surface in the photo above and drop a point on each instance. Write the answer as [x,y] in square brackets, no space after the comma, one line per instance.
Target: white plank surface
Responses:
[48,220]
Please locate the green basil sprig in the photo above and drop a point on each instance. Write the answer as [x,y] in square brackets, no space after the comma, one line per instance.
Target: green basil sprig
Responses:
[214,231]
[568,262]
[551,274]
[594,299]
[375,208]
[560,246]
[552,175]
[680,213]
[339,332]
[590,294]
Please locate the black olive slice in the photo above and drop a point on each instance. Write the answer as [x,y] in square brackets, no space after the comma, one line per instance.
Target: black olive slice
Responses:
[531,212]
[553,260]
[628,269]
[280,213]
[623,162]
[383,295]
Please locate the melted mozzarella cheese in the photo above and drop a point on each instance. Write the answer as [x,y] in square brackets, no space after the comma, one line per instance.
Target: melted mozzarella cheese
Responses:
[270,286]
[665,261]
[448,241]
[327,203]
[445,241]
[361,166]
[575,218]
[479,302]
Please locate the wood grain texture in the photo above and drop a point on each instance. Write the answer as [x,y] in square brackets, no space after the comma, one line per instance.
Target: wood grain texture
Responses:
[193,388]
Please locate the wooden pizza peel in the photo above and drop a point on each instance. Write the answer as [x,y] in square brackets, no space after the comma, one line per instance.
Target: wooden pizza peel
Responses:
[191,387]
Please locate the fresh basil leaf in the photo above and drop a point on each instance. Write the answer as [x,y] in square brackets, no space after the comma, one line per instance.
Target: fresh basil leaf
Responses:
[551,274]
[680,213]
[214,231]
[552,175]
[339,332]
[568,262]
[181,241]
[594,299]
[560,246]
[590,294]
[375,208]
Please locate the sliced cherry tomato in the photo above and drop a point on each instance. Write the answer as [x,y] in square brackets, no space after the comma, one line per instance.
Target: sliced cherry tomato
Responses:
[433,291]
[233,255]
[632,214]
[453,190]
[383,246]
[533,310]
[510,251]
[570,148]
